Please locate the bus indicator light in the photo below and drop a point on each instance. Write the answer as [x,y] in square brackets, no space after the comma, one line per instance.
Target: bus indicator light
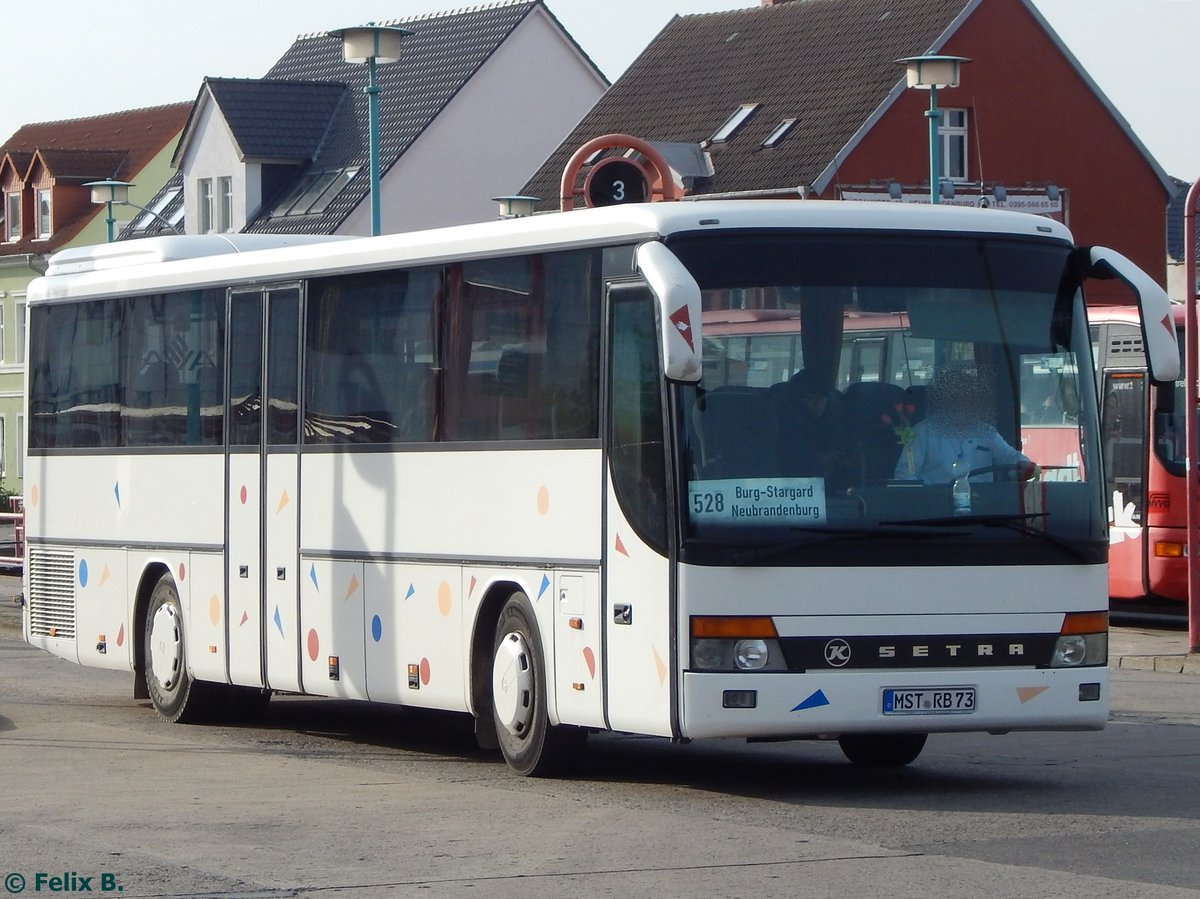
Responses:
[1169,549]
[414,677]
[335,668]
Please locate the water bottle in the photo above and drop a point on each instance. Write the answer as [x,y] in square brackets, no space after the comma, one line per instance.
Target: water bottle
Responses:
[960,489]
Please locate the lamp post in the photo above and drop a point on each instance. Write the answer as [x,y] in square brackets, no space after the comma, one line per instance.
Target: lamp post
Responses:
[374,45]
[109,192]
[515,206]
[929,73]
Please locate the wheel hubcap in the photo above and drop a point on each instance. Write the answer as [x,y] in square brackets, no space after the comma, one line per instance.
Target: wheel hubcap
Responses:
[166,647]
[512,685]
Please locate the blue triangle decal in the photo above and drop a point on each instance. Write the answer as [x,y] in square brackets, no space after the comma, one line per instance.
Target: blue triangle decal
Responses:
[411,591]
[278,621]
[312,576]
[117,493]
[544,587]
[815,701]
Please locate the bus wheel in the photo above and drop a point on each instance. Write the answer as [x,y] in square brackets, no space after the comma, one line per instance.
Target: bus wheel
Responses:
[882,750]
[530,745]
[175,695]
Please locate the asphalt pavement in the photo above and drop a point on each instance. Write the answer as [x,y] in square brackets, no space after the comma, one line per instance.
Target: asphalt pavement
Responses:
[1141,647]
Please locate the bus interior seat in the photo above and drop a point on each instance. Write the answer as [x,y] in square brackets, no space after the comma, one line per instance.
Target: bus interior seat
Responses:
[737,430]
[871,416]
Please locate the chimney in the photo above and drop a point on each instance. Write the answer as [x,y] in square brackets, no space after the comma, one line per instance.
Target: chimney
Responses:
[775,2]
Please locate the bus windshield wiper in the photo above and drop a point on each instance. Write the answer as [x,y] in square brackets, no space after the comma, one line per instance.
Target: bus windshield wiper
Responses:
[766,551]
[1017,522]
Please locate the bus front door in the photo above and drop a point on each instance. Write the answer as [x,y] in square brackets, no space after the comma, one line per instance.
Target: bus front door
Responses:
[262,596]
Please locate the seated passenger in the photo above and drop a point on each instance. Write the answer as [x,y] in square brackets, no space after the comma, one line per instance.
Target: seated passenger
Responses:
[957,426]
[813,441]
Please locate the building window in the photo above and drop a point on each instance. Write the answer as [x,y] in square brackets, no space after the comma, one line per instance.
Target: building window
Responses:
[778,134]
[204,205]
[3,354]
[43,213]
[12,216]
[734,122]
[20,323]
[225,204]
[314,192]
[953,132]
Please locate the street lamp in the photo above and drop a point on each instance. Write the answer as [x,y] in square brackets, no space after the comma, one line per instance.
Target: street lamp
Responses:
[374,45]
[110,191]
[929,73]
[515,206]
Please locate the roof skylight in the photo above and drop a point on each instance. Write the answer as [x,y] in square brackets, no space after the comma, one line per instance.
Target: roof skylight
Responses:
[734,122]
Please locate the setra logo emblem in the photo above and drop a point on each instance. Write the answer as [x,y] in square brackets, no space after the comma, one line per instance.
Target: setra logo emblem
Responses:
[837,652]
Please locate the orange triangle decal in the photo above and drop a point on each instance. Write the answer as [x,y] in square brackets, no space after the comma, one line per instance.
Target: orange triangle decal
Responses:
[1027,693]
[283,501]
[352,587]
[660,665]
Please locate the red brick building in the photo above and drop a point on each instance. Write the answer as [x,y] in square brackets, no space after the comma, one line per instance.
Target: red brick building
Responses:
[805,97]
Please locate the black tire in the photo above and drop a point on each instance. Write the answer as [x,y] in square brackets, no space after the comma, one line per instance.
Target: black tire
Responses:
[175,695]
[882,750]
[530,744]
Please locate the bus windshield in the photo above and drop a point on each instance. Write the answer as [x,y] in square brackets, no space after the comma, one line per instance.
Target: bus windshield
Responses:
[863,394]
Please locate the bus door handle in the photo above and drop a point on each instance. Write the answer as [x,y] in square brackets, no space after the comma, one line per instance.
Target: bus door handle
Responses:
[622,613]
[281,574]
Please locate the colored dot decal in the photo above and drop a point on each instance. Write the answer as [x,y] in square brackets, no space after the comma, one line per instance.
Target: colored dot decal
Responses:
[376,628]
[121,635]
[314,645]
[589,658]
[33,495]
[425,672]
[242,496]
[182,571]
[214,609]
[543,500]
[83,572]
[444,599]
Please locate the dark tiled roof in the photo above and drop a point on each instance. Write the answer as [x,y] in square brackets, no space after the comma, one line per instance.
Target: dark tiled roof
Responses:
[827,63]
[445,50]
[276,118]
[83,165]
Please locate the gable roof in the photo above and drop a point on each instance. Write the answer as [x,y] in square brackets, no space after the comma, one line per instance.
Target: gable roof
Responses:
[73,151]
[831,65]
[437,60]
[270,119]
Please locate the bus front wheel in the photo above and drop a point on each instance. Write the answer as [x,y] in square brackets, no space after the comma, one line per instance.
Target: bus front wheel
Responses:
[530,744]
[882,750]
[176,697]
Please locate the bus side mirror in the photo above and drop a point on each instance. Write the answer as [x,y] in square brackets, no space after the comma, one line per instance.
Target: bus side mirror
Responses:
[678,297]
[1158,325]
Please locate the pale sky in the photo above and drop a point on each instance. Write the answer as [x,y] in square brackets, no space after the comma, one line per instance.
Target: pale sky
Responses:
[107,57]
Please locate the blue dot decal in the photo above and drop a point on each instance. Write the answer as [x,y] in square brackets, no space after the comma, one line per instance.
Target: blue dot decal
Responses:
[376,628]
[83,572]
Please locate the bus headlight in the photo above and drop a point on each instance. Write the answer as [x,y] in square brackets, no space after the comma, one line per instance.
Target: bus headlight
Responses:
[710,655]
[1075,650]
[751,655]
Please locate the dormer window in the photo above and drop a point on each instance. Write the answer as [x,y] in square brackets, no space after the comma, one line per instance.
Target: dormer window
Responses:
[12,217]
[780,130]
[734,122]
[44,228]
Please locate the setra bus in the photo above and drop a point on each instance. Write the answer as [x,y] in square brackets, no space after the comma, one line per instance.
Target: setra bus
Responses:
[493,469]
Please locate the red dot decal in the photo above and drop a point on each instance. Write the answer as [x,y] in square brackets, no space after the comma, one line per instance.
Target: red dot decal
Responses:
[243,494]
[121,635]
[182,571]
[314,645]
[425,672]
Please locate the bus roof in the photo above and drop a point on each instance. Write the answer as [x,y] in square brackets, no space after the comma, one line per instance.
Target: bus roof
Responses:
[164,263]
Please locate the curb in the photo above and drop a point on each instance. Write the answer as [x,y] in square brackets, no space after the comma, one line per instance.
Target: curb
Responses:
[1172,664]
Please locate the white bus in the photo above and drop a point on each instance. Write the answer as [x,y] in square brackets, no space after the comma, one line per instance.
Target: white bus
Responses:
[483,469]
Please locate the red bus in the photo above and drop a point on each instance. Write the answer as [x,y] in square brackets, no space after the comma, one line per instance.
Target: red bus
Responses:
[1144,463]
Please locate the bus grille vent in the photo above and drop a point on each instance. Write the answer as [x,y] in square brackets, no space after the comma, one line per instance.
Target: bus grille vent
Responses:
[1125,346]
[51,593]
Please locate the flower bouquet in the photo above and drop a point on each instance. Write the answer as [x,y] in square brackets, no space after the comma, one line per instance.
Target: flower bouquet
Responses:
[901,425]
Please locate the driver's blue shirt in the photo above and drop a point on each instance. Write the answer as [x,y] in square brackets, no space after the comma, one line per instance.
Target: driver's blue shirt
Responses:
[934,449]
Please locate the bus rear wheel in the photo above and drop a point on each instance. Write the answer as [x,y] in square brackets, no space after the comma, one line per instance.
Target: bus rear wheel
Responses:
[175,695]
[530,744]
[882,750]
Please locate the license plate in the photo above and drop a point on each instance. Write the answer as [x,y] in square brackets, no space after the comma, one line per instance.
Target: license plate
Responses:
[929,701]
